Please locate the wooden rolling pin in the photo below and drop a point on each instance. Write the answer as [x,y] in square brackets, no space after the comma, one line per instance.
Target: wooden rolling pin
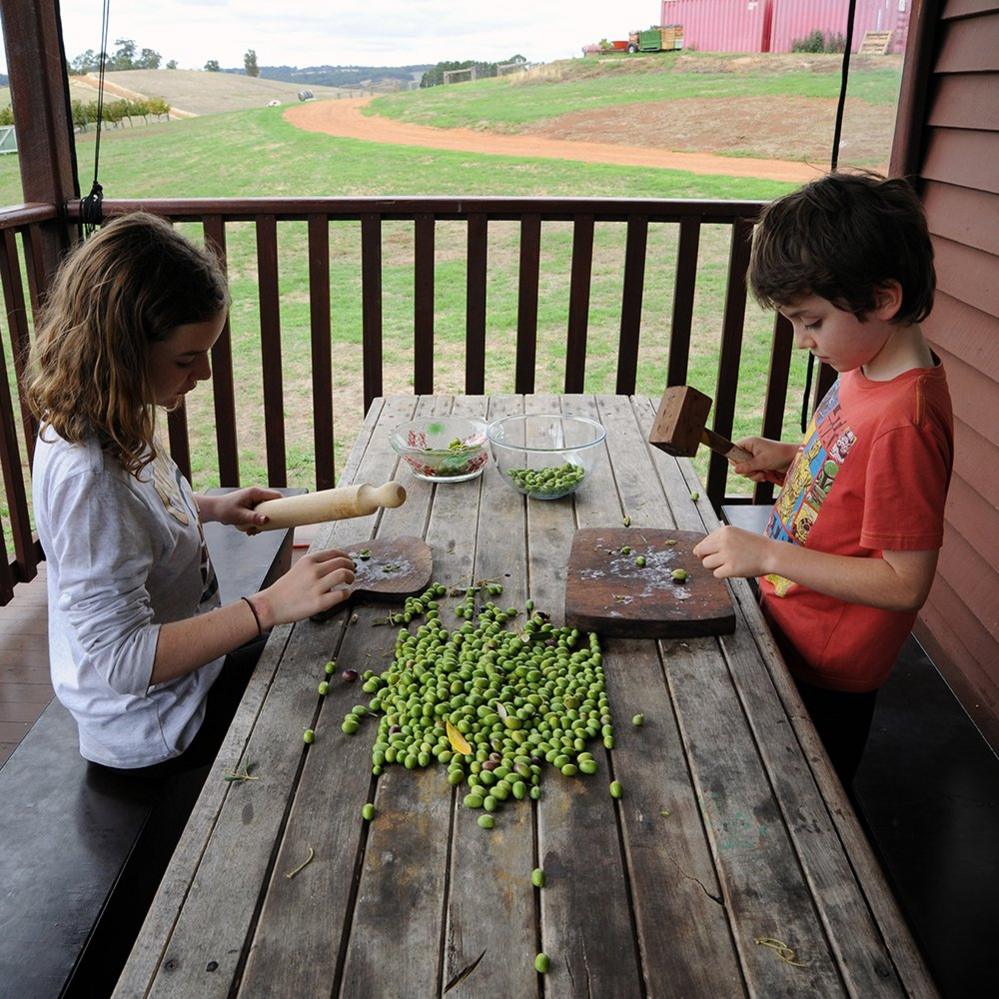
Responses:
[327,504]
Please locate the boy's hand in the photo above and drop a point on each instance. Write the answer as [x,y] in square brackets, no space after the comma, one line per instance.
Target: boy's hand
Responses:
[237,508]
[731,551]
[771,459]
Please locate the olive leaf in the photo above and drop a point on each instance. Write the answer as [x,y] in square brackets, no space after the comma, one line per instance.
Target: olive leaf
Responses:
[457,740]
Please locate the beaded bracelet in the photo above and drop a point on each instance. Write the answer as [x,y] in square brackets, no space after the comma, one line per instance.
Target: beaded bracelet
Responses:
[256,616]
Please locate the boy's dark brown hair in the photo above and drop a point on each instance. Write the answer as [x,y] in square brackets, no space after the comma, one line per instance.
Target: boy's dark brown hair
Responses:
[843,237]
[126,288]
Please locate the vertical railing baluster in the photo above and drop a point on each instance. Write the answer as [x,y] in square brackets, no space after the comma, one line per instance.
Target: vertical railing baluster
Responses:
[371,306]
[180,445]
[223,392]
[270,349]
[13,477]
[683,301]
[17,320]
[527,303]
[33,256]
[579,303]
[773,408]
[826,376]
[475,305]
[631,304]
[423,305]
[6,575]
[322,350]
[731,349]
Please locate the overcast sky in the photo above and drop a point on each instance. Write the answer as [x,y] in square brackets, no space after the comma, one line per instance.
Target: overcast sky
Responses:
[358,32]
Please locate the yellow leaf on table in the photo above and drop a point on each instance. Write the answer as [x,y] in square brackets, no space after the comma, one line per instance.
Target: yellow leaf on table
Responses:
[457,740]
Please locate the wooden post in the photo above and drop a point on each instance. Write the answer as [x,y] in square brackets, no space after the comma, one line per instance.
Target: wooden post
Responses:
[39,91]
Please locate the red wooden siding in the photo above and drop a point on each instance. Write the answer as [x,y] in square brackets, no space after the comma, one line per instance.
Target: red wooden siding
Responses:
[951,141]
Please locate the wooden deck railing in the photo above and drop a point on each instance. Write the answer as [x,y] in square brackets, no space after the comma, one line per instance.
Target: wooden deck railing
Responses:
[637,216]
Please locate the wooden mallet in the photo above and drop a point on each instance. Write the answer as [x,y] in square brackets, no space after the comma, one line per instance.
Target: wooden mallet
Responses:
[680,426]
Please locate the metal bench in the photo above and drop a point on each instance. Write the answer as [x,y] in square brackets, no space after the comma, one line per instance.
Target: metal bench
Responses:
[83,852]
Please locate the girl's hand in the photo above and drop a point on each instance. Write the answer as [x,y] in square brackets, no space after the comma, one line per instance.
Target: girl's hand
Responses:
[237,507]
[730,551]
[770,462]
[306,588]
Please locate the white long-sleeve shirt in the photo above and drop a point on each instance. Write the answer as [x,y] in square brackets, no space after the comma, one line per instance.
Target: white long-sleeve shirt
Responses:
[124,555]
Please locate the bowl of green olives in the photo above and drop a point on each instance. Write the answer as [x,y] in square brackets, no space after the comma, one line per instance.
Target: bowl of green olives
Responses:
[442,448]
[545,456]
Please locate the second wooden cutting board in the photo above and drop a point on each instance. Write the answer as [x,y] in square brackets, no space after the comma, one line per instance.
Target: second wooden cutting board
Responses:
[607,591]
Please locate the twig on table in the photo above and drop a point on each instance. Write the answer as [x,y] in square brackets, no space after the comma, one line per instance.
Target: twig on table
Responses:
[303,865]
[787,954]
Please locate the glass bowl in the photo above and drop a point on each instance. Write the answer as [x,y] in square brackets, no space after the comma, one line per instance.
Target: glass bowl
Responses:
[545,456]
[442,448]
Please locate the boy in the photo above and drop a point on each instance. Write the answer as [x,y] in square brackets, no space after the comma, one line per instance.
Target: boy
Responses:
[851,547]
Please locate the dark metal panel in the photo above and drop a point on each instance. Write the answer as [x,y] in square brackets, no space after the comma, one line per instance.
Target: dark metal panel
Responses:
[631,304]
[423,319]
[270,349]
[322,351]
[222,380]
[579,303]
[683,301]
[527,303]
[475,308]
[371,306]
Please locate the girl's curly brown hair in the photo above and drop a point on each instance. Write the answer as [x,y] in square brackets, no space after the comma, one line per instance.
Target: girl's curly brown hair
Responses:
[126,288]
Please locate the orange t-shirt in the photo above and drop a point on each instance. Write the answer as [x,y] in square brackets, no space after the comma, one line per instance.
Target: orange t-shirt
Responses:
[871,476]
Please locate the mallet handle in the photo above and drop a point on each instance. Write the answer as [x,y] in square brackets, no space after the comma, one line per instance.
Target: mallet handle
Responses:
[723,446]
[329,504]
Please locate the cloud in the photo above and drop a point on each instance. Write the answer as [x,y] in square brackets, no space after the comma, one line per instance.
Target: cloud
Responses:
[386,32]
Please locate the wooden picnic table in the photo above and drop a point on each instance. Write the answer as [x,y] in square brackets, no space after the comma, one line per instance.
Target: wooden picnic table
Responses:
[732,833]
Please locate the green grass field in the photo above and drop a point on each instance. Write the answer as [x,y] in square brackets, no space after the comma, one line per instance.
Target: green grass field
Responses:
[257,153]
[516,103]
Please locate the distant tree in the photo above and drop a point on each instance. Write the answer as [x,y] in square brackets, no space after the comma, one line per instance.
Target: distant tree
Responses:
[250,63]
[80,115]
[6,115]
[124,55]
[149,59]
[172,64]
[212,66]
[85,62]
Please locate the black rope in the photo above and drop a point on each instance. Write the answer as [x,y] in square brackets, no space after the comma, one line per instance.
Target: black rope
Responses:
[92,207]
[833,165]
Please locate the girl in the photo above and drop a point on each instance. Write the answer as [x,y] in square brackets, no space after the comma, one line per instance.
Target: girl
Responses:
[137,639]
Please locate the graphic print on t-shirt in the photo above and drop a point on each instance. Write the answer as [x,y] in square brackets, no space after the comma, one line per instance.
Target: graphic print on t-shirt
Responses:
[167,481]
[811,476]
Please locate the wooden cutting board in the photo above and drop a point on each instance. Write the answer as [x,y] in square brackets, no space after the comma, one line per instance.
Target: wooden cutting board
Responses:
[395,568]
[606,592]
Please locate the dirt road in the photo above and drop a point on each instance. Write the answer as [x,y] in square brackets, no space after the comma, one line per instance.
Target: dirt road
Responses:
[343,118]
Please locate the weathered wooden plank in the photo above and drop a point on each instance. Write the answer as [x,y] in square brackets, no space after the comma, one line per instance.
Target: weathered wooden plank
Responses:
[586,919]
[683,301]
[153,938]
[674,883]
[855,906]
[180,445]
[371,306]
[405,865]
[579,303]
[220,909]
[335,781]
[750,840]
[490,871]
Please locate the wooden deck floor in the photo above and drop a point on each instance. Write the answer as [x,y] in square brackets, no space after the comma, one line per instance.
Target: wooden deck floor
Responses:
[25,687]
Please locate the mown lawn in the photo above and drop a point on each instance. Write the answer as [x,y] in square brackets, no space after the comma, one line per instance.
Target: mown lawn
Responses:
[257,153]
